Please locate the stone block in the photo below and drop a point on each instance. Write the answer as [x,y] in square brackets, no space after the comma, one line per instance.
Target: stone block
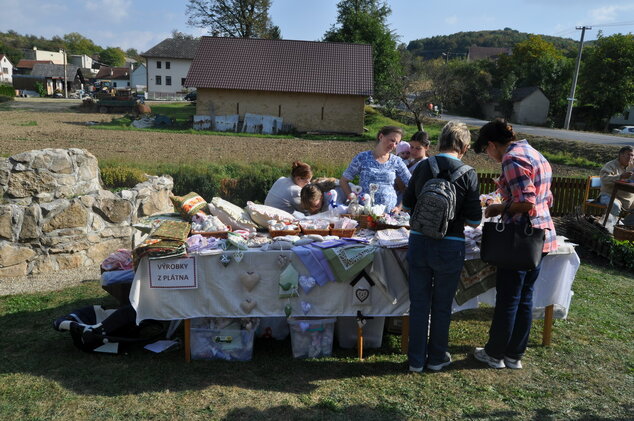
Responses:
[43,264]
[30,228]
[12,271]
[30,183]
[99,251]
[12,255]
[113,210]
[7,221]
[69,261]
[75,215]
[156,202]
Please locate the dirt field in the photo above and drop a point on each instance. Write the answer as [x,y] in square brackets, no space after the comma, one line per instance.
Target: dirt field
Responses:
[38,123]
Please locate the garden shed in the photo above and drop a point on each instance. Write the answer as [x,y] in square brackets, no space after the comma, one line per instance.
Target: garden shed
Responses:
[312,86]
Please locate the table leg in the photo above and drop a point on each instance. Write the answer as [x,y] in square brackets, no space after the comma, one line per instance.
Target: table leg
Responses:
[548,325]
[609,209]
[188,354]
[404,334]
[360,342]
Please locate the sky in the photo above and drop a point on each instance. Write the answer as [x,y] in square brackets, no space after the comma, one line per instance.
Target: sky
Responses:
[141,24]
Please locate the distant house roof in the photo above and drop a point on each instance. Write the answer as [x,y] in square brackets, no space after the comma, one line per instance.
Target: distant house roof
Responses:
[173,48]
[107,72]
[3,56]
[55,71]
[28,64]
[282,65]
[480,53]
[520,93]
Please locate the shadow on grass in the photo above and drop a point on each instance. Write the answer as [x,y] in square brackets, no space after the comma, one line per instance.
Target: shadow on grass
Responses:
[316,412]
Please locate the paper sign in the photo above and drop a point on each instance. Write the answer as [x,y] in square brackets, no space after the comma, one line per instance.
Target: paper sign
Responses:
[173,273]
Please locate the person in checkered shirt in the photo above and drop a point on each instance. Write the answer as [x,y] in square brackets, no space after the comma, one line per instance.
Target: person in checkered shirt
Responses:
[525,188]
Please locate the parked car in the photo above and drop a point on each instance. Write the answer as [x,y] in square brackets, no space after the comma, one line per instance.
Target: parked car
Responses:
[191,96]
[624,130]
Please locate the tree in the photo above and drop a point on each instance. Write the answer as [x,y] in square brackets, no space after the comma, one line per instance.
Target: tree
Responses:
[112,56]
[78,44]
[364,22]
[607,77]
[233,18]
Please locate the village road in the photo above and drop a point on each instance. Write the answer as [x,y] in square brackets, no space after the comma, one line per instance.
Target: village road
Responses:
[590,137]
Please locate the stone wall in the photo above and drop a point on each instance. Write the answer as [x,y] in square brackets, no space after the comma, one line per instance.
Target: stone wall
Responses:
[55,214]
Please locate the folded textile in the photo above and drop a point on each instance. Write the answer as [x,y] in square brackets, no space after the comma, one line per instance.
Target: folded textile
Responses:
[117,277]
[119,260]
[392,237]
[476,278]
[172,230]
[347,261]
[314,260]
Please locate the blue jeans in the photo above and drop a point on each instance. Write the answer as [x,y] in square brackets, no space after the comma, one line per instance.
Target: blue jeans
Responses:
[513,315]
[434,271]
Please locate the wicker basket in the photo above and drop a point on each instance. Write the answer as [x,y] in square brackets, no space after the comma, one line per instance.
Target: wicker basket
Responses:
[315,231]
[365,221]
[343,232]
[280,233]
[624,233]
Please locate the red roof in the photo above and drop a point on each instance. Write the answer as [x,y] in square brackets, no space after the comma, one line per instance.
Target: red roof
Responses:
[282,66]
[107,72]
[28,64]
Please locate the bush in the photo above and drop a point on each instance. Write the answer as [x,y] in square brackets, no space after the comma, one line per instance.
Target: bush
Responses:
[122,177]
[7,91]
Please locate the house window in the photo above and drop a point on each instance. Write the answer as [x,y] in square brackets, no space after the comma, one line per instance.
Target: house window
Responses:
[322,113]
[279,111]
[5,70]
[183,81]
[158,80]
[158,64]
[167,64]
[168,80]
[114,84]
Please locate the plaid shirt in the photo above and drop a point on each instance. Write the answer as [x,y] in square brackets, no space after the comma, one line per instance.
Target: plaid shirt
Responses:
[526,177]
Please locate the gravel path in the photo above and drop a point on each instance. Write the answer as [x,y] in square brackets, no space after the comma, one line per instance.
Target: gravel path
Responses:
[53,281]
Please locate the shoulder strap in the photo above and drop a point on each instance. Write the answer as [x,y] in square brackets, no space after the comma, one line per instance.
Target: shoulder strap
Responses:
[460,172]
[433,165]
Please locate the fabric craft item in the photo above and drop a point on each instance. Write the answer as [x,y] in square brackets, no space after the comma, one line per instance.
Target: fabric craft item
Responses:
[231,214]
[148,223]
[237,241]
[476,278]
[172,230]
[288,284]
[316,263]
[119,260]
[307,283]
[393,238]
[347,261]
[189,205]
[361,290]
[261,214]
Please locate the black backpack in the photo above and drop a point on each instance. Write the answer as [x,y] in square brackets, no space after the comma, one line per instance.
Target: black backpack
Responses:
[436,202]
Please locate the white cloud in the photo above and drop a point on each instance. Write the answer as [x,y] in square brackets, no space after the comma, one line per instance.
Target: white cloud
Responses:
[451,20]
[110,10]
[612,13]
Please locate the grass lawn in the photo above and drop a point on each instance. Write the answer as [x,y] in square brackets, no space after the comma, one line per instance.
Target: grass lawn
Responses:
[587,374]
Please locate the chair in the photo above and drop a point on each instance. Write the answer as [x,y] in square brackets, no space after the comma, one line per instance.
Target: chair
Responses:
[593,186]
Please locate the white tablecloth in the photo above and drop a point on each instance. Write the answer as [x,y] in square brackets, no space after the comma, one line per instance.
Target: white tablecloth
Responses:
[220,292]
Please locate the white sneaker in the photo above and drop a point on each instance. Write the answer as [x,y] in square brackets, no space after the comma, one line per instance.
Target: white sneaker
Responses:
[415,369]
[481,355]
[440,366]
[513,363]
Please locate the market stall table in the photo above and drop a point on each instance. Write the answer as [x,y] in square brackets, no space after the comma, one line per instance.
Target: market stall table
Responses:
[204,286]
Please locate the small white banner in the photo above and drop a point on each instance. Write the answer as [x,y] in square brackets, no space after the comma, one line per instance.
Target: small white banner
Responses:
[173,273]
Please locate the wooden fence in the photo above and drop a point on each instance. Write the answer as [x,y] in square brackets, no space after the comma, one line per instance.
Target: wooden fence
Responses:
[568,192]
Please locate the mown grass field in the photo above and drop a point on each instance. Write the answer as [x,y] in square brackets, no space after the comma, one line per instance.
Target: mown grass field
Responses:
[587,374]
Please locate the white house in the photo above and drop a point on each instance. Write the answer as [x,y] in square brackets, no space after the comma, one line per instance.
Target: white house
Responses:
[81,60]
[167,64]
[6,69]
[530,106]
[138,78]
[625,119]
[57,57]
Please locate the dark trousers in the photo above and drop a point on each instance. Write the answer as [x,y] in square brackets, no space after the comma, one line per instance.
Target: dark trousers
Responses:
[513,315]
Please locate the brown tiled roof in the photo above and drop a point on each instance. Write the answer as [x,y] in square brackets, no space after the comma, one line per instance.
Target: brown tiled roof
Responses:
[107,72]
[55,71]
[282,65]
[480,53]
[173,48]
[28,64]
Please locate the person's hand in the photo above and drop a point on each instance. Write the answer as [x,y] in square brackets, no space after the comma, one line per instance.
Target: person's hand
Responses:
[396,210]
[626,174]
[493,210]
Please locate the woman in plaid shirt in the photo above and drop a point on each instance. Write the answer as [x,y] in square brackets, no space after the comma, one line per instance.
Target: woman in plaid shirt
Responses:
[525,189]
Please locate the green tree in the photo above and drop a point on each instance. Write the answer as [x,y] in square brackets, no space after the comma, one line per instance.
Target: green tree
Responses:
[233,18]
[112,56]
[364,22]
[78,44]
[607,77]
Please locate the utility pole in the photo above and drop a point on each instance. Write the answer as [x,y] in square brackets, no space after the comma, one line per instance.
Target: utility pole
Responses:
[65,83]
[571,99]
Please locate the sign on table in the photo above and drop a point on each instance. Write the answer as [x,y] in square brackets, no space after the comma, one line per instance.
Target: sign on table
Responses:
[173,273]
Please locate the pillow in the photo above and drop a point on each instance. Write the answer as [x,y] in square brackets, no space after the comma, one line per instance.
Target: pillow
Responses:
[261,214]
[188,205]
[231,214]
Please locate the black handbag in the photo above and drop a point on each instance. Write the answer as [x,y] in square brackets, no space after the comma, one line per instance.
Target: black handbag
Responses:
[512,246]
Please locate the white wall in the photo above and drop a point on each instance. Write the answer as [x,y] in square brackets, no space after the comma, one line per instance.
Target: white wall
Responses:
[139,77]
[57,57]
[626,119]
[531,110]
[178,70]
[6,70]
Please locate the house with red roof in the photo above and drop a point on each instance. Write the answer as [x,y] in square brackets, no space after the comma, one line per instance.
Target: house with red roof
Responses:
[312,86]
